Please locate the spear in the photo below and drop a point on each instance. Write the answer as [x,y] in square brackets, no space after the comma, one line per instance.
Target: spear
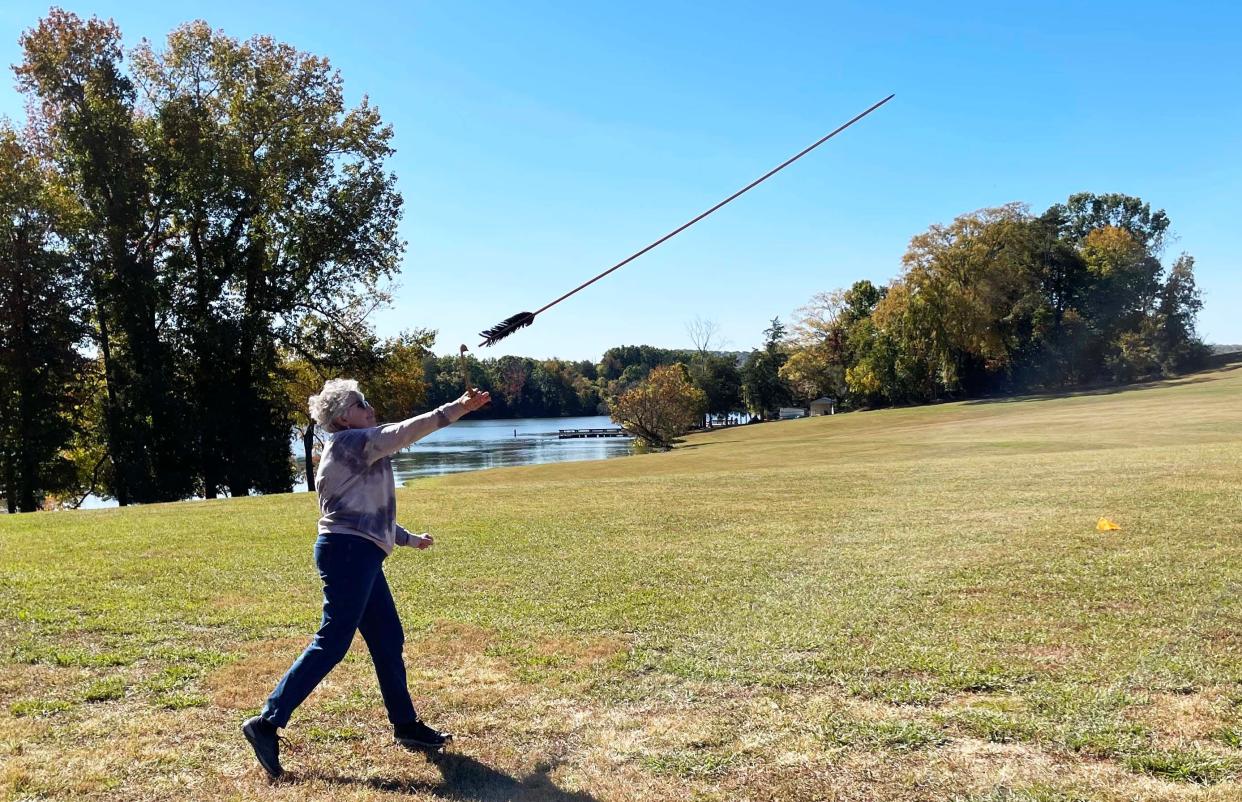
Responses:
[522,319]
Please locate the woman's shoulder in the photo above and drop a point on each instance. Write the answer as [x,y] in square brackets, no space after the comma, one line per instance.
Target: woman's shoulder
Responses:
[348,445]
[348,436]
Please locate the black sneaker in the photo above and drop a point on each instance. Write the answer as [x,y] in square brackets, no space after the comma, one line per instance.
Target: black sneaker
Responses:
[261,734]
[416,733]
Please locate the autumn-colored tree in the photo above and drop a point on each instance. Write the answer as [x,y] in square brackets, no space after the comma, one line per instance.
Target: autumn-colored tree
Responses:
[1000,301]
[396,387]
[820,350]
[662,408]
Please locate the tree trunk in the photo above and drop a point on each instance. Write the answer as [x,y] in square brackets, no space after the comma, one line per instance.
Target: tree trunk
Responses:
[210,481]
[28,468]
[308,445]
[208,460]
[10,485]
[27,478]
[111,410]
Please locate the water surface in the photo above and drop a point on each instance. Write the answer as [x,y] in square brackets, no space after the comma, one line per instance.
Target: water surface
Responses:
[472,445]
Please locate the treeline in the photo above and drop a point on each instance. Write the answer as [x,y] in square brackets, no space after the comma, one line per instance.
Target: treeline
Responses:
[1005,301]
[181,226]
[522,387]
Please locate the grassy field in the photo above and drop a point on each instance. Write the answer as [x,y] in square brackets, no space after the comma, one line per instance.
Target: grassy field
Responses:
[909,604]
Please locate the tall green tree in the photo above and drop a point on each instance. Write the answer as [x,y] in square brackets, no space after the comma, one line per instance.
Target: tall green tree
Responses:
[763,389]
[83,108]
[41,330]
[1177,347]
[717,375]
[280,210]
[1085,212]
[231,208]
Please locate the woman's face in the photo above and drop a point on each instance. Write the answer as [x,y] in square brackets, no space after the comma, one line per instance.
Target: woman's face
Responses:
[359,414]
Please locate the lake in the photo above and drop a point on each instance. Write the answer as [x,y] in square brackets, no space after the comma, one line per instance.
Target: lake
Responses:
[472,445]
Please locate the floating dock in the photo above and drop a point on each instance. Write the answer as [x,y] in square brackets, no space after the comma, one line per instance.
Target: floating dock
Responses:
[571,434]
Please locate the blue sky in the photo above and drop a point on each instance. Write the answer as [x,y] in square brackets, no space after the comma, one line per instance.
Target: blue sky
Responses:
[538,143]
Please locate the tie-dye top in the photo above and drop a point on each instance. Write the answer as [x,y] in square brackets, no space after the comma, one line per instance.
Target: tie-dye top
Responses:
[355,482]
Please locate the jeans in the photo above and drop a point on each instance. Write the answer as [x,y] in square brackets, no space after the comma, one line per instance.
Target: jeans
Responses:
[355,598]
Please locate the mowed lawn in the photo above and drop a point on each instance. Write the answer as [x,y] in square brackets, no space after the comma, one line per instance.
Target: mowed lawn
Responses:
[908,604]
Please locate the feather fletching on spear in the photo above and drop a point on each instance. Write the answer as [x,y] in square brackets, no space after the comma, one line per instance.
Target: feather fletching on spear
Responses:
[506,327]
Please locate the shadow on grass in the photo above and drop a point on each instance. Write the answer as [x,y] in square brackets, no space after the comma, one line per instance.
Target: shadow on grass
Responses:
[689,446]
[1109,389]
[467,779]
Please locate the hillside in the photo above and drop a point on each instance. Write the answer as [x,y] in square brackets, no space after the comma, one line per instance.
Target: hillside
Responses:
[903,604]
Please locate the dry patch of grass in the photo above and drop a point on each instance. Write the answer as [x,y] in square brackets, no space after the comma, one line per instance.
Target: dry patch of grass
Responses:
[244,683]
[582,652]
[1185,716]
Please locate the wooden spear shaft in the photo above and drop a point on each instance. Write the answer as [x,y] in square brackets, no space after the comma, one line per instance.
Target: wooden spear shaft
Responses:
[523,319]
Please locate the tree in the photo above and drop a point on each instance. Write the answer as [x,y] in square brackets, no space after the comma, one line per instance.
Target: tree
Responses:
[820,351]
[1177,347]
[41,368]
[715,374]
[721,382]
[662,408]
[817,359]
[282,227]
[999,301]
[513,372]
[971,291]
[230,209]
[703,334]
[396,387]
[1085,212]
[763,390]
[84,118]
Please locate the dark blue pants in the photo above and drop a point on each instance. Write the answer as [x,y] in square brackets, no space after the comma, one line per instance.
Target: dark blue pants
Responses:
[355,598]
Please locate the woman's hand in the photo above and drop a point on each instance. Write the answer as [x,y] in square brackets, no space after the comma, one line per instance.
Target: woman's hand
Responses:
[475,399]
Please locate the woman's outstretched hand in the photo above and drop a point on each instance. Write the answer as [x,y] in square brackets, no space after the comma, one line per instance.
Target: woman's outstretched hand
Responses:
[475,399]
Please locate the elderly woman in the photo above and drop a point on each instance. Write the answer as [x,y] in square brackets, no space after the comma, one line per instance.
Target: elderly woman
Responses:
[357,530]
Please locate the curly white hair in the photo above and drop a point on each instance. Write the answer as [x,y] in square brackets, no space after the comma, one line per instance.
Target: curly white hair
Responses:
[333,401]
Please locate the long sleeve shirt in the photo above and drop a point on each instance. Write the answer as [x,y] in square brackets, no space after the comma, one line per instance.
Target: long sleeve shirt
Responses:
[357,494]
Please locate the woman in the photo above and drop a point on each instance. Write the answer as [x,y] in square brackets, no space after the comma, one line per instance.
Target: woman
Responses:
[357,530]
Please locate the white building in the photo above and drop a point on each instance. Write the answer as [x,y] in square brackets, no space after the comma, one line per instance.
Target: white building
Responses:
[824,406]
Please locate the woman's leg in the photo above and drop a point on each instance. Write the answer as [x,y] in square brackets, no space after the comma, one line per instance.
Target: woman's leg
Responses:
[381,629]
[348,566]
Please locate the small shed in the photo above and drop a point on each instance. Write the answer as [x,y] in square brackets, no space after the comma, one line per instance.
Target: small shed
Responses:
[824,406]
[786,413]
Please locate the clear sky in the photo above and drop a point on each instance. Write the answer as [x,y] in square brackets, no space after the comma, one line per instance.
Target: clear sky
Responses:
[538,143]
